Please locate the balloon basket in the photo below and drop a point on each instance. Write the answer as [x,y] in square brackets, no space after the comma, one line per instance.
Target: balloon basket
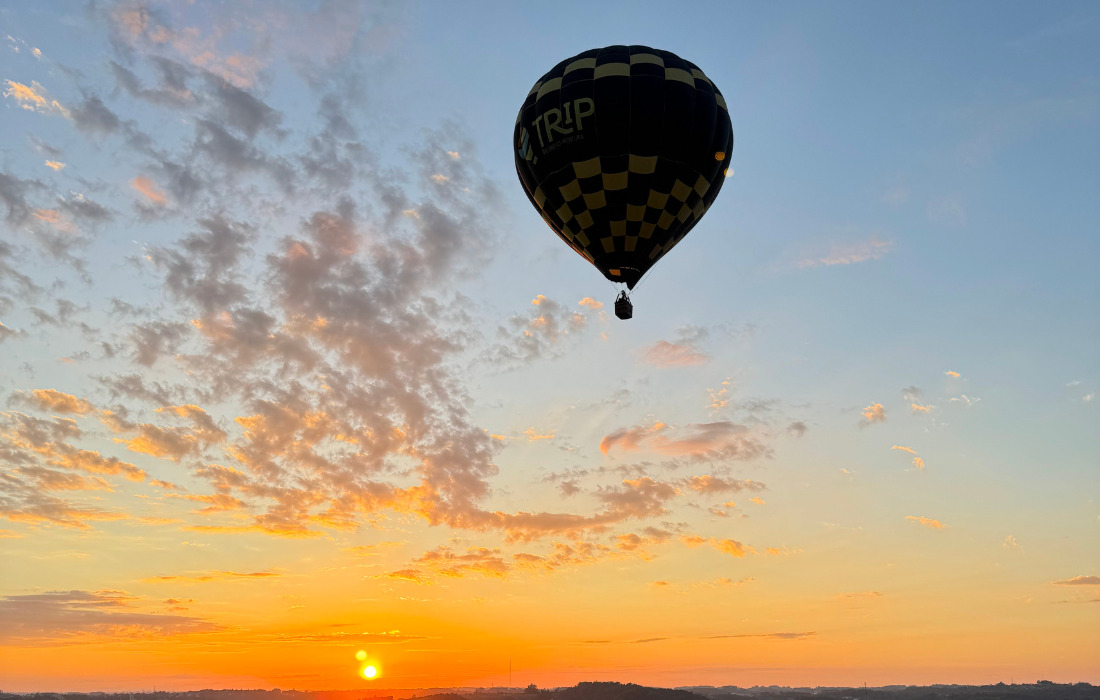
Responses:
[623,308]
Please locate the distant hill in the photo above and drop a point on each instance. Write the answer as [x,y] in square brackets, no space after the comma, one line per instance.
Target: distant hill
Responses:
[620,691]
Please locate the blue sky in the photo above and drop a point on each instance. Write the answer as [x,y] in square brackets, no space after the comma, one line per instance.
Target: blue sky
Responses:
[281,332]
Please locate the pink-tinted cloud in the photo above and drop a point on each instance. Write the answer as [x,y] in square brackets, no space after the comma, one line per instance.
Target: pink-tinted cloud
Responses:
[590,303]
[848,254]
[666,354]
[708,483]
[148,189]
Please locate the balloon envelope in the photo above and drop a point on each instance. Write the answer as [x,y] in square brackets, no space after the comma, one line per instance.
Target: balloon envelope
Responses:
[622,150]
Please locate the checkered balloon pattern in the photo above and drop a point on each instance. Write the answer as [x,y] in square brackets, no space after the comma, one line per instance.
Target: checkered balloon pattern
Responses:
[622,150]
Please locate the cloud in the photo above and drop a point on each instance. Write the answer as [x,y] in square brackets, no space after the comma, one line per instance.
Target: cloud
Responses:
[1079,581]
[89,617]
[921,408]
[713,484]
[212,576]
[148,189]
[590,303]
[910,450]
[34,97]
[952,374]
[542,333]
[848,254]
[665,354]
[55,165]
[874,413]
[927,522]
[918,463]
[56,401]
[720,440]
[1009,542]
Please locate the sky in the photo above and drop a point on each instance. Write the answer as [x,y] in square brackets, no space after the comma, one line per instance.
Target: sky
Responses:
[290,369]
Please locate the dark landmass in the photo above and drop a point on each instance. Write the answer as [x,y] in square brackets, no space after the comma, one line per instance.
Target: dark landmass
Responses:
[1043,690]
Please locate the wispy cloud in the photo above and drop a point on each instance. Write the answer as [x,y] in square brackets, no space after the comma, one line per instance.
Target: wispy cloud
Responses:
[1079,581]
[89,617]
[847,253]
[926,522]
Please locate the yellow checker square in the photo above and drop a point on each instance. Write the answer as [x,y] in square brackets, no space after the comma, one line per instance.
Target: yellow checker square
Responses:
[699,209]
[684,213]
[587,168]
[595,201]
[643,165]
[635,212]
[564,213]
[618,228]
[584,219]
[535,88]
[665,221]
[548,87]
[657,200]
[571,191]
[588,256]
[646,58]
[611,69]
[608,244]
[647,229]
[539,197]
[680,191]
[701,186]
[680,75]
[580,63]
[721,101]
[698,75]
[631,242]
[616,272]
[568,233]
[582,238]
[615,181]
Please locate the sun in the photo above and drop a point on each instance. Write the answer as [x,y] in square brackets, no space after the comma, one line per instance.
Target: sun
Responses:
[370,672]
[361,655]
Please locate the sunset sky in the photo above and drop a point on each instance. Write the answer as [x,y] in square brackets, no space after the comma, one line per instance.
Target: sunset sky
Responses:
[290,368]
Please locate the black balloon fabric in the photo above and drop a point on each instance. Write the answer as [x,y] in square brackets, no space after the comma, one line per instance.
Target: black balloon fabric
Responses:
[622,150]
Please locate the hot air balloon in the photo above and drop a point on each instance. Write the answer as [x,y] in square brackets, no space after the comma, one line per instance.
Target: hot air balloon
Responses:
[622,150]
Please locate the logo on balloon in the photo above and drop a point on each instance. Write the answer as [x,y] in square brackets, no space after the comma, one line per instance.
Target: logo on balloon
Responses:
[555,127]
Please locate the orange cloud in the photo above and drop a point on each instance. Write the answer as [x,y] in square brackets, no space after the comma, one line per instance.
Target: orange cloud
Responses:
[927,522]
[713,484]
[55,164]
[910,450]
[874,413]
[757,500]
[149,189]
[58,402]
[733,548]
[953,374]
[921,408]
[918,463]
[629,439]
[1079,581]
[591,303]
[33,97]
[212,576]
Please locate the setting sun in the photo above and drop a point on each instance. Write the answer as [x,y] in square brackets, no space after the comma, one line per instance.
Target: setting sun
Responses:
[370,672]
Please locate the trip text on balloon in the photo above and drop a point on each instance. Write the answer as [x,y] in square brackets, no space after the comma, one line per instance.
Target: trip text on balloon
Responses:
[563,121]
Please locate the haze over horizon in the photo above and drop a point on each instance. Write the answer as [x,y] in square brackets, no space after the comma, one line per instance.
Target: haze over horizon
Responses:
[291,370]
